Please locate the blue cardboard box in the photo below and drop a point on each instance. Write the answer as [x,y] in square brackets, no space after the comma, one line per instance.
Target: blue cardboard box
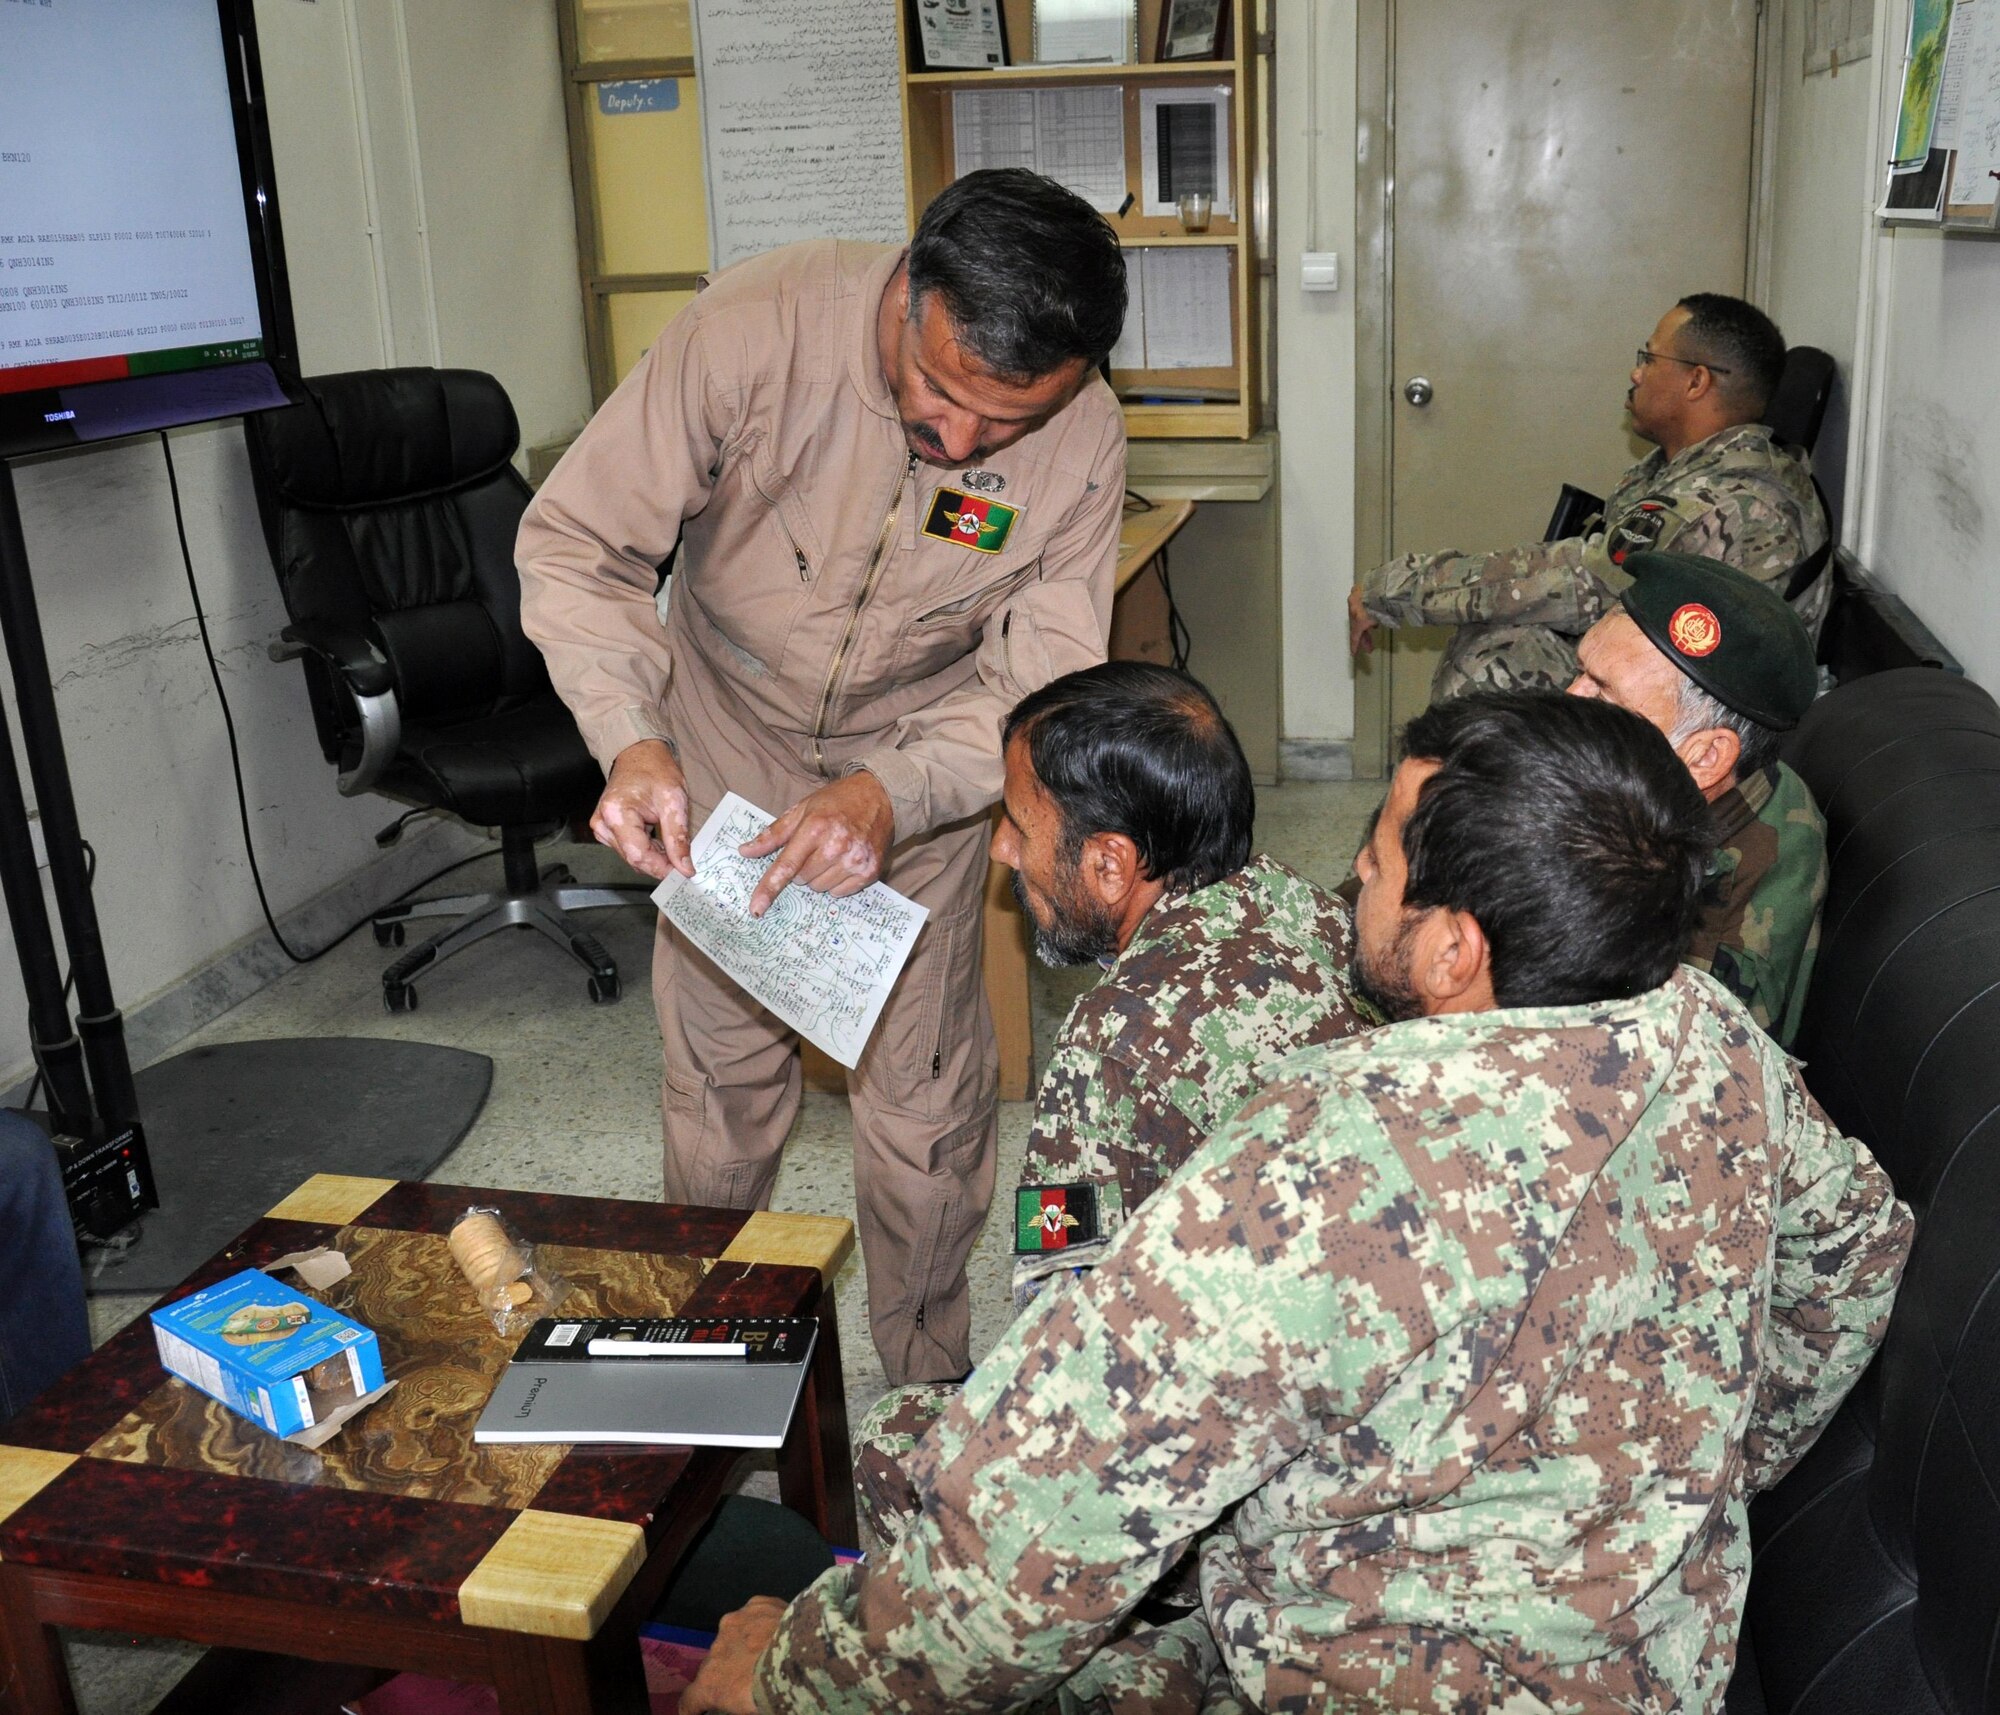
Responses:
[268,1351]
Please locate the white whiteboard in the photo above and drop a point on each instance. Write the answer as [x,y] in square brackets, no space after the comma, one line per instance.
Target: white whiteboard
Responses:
[802,131]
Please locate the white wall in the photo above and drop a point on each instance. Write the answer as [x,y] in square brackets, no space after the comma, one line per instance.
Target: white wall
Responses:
[438,178]
[1821,214]
[1931,526]
[1921,313]
[495,154]
[1314,121]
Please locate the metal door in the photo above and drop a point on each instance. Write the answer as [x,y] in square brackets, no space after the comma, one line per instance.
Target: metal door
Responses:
[1561,172]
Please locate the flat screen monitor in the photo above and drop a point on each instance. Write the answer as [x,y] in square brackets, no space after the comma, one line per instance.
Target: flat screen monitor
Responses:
[142,280]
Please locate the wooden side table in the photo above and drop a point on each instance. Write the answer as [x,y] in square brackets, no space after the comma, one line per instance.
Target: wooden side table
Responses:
[129,1502]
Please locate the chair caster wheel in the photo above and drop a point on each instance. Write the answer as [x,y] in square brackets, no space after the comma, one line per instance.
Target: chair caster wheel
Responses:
[398,997]
[388,934]
[604,990]
[559,875]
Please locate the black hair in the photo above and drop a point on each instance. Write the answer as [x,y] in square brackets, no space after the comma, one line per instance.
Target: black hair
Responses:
[1134,749]
[1729,334]
[1570,831]
[1029,273]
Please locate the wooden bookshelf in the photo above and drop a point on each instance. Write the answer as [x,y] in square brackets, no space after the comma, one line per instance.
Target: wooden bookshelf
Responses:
[929,155]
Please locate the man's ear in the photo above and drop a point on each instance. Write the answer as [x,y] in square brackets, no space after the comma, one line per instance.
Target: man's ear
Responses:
[1711,755]
[1110,867]
[1454,971]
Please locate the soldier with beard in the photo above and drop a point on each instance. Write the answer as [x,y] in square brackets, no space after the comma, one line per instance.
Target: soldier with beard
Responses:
[1126,818]
[1470,1336]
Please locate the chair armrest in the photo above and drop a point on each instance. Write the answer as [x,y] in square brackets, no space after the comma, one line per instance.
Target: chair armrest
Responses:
[365,668]
[366,672]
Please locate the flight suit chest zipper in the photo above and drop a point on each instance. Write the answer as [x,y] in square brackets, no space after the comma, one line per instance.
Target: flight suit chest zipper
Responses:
[868,584]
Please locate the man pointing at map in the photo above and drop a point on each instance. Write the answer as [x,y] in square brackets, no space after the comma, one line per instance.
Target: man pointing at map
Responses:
[895,482]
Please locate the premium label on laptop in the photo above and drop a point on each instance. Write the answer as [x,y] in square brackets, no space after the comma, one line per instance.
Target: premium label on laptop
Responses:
[972,521]
[619,1339]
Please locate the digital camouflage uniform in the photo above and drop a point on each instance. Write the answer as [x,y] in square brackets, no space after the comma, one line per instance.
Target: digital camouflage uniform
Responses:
[1213,987]
[1760,941]
[1475,1332]
[1736,497]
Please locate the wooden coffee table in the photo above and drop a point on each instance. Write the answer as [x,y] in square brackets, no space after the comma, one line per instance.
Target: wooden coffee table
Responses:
[130,1502]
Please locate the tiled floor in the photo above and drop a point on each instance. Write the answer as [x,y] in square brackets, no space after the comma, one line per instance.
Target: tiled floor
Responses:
[574,1107]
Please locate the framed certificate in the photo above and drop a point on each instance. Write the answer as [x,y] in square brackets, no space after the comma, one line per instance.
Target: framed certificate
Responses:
[961,33]
[1191,29]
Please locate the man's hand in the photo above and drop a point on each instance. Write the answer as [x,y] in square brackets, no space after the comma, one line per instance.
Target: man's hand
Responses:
[643,815]
[834,840]
[1360,626]
[725,1680]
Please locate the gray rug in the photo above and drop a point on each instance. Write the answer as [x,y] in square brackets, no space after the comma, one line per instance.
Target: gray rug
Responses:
[233,1128]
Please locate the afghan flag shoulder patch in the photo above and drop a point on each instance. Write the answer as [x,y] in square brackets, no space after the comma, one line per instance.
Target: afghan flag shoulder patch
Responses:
[970,520]
[1054,1217]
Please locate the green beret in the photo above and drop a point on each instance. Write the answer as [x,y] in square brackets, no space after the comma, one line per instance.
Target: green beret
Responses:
[1731,635]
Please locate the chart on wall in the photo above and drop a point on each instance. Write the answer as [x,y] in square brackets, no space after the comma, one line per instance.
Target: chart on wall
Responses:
[802,128]
[1951,111]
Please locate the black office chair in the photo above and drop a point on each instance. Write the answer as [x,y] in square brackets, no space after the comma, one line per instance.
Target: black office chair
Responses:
[1798,405]
[390,504]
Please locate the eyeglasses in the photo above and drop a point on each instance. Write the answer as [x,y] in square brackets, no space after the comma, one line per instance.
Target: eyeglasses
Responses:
[1645,357]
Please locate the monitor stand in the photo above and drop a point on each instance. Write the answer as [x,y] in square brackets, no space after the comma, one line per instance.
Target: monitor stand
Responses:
[105,1116]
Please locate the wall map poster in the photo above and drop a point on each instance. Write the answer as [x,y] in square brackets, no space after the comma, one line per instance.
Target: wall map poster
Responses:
[1923,82]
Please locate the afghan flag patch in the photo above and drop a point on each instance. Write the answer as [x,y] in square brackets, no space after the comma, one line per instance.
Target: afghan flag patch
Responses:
[1053,1217]
[970,520]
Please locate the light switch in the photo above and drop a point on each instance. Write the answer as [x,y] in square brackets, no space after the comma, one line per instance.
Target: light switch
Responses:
[1320,270]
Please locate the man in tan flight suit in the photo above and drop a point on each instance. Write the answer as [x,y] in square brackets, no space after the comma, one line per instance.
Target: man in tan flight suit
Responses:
[896,481]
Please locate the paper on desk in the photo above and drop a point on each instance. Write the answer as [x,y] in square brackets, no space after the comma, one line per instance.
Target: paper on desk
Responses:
[319,1268]
[823,965]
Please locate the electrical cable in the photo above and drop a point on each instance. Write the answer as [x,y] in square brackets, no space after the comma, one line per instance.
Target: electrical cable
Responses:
[1180,641]
[69,973]
[236,759]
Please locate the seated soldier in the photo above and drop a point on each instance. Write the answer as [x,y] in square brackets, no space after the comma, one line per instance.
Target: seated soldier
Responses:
[1721,665]
[1474,1332]
[1126,818]
[1716,483]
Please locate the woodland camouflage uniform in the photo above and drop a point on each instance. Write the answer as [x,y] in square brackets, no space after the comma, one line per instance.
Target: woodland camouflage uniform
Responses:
[1736,497]
[1762,938]
[1475,1333]
[1213,987]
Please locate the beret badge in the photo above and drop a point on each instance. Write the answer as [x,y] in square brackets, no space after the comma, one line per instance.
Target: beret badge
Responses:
[1694,630]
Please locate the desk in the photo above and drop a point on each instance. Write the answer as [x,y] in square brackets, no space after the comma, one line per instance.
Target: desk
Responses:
[130,1502]
[1144,534]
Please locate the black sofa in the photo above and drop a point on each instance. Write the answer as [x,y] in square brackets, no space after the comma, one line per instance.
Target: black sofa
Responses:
[1876,1581]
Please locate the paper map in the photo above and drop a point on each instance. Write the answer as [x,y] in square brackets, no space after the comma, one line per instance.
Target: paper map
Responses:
[823,965]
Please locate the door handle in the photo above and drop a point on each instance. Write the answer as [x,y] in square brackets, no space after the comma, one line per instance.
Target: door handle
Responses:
[1418,390]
